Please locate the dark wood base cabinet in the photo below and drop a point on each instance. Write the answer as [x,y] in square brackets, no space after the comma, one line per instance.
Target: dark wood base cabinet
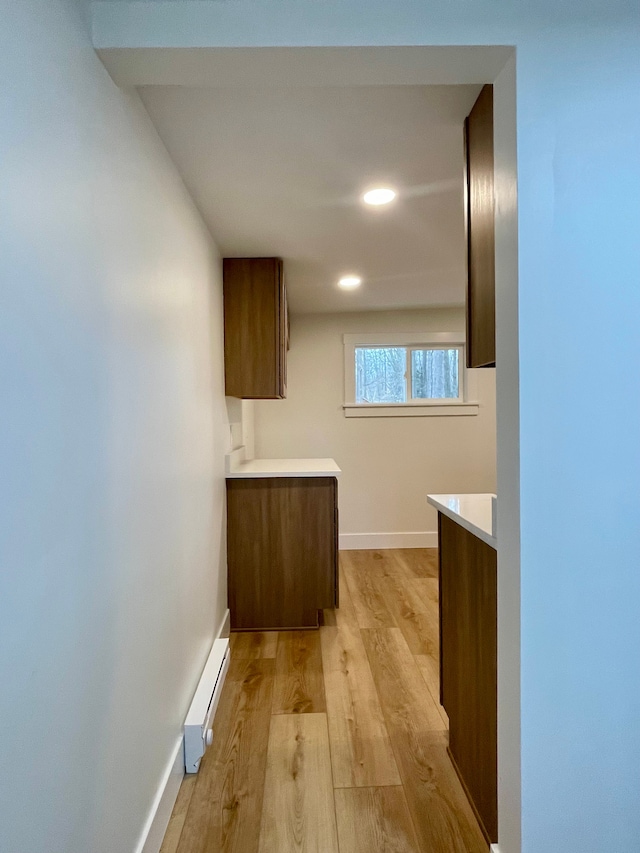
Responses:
[468,664]
[282,551]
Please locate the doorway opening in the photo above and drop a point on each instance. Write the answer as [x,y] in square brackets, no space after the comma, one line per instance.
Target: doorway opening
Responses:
[320,84]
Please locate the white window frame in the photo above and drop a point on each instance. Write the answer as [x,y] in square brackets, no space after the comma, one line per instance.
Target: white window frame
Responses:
[467,404]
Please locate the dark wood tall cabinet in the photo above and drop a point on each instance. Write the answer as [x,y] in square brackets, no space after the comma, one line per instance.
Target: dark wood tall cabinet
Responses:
[469,663]
[480,217]
[255,328]
[282,551]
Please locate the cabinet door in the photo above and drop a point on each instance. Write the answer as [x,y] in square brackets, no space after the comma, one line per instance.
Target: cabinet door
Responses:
[480,209]
[468,602]
[281,551]
[254,318]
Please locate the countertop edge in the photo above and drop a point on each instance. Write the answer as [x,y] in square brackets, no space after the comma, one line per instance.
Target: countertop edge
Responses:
[270,475]
[267,468]
[437,502]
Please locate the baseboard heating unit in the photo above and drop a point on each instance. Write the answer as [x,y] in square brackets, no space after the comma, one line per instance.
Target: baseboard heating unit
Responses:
[198,727]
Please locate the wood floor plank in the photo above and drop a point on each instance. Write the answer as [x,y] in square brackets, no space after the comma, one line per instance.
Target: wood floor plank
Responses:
[404,696]
[418,562]
[361,753]
[299,685]
[374,820]
[430,670]
[427,589]
[346,614]
[242,668]
[381,563]
[405,563]
[429,664]
[442,816]
[299,811]
[179,814]
[254,644]
[369,604]
[225,810]
[417,622]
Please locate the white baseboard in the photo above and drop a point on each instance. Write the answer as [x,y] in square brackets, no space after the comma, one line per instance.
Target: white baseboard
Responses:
[155,827]
[382,541]
[224,629]
[494,848]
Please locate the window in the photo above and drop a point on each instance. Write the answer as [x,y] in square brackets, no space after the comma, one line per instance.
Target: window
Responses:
[402,374]
[398,374]
[435,373]
[381,375]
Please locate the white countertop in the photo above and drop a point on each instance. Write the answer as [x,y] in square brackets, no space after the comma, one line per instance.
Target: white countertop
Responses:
[238,467]
[473,512]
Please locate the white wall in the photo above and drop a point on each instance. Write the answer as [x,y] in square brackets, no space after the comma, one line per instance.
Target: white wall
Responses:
[579,261]
[112,565]
[389,464]
[241,424]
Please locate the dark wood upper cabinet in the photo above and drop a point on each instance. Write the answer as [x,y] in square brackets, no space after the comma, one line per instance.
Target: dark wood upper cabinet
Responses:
[255,328]
[480,215]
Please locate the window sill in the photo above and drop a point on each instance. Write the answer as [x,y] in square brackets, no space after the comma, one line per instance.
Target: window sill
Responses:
[409,410]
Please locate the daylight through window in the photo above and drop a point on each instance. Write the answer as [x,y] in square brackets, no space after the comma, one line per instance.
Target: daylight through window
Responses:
[394,374]
[434,374]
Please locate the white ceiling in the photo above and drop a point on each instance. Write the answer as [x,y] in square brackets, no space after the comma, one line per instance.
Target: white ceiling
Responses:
[279,171]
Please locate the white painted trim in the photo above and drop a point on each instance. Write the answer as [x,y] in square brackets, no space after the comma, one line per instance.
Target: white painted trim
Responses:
[155,826]
[405,338]
[410,410]
[224,629]
[160,812]
[494,848]
[382,541]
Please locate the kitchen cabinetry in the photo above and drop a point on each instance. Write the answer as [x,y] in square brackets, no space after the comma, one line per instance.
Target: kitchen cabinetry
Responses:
[480,216]
[282,551]
[468,663]
[255,328]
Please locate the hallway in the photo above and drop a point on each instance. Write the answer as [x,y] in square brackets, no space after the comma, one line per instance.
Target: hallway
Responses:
[334,740]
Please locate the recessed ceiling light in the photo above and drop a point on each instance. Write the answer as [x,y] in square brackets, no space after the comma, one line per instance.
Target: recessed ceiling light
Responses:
[349,282]
[378,196]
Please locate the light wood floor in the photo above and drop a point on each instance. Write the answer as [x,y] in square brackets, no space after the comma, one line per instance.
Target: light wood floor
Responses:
[333,741]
